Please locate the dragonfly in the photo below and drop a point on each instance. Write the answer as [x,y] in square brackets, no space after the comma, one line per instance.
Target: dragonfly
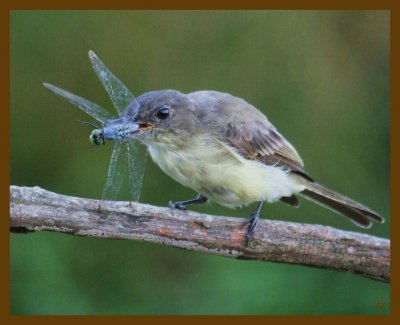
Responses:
[128,156]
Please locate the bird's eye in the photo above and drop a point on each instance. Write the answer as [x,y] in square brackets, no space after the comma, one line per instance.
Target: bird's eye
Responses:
[163,112]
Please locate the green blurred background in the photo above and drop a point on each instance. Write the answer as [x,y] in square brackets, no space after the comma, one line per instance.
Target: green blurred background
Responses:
[322,77]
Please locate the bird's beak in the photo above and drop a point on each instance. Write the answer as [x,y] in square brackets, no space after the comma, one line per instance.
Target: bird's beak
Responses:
[143,127]
[122,128]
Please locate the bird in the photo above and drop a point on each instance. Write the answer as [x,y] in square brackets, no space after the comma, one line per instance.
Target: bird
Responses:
[228,151]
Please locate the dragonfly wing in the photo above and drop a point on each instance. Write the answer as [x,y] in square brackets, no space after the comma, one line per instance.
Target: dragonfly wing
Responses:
[116,172]
[94,110]
[118,92]
[124,103]
[136,156]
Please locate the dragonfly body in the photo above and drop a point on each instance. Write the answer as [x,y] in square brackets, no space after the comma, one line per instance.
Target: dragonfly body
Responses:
[115,130]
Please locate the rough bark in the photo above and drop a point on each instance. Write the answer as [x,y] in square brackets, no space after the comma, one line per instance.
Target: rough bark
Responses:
[35,209]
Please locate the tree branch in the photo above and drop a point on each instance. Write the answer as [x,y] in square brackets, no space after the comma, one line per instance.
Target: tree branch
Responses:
[35,209]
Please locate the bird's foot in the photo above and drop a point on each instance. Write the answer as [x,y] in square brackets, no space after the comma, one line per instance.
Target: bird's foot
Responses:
[252,222]
[182,205]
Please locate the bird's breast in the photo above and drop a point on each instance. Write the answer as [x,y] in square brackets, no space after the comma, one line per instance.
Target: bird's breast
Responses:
[215,170]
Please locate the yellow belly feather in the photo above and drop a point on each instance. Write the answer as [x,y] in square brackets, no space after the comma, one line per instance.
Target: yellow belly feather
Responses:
[215,170]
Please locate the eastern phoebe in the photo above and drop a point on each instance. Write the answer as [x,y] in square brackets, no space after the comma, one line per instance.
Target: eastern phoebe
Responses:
[226,150]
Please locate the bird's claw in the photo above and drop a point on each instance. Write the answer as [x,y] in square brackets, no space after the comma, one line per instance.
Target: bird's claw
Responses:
[252,222]
[177,206]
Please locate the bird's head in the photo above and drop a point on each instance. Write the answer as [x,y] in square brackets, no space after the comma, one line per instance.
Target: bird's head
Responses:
[164,114]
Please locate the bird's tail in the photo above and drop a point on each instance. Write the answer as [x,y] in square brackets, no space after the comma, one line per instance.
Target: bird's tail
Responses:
[359,214]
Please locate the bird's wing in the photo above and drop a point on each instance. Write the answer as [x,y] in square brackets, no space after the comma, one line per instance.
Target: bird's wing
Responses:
[260,140]
[241,126]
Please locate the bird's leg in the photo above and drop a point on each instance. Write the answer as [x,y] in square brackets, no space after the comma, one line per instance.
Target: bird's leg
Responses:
[182,205]
[252,222]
